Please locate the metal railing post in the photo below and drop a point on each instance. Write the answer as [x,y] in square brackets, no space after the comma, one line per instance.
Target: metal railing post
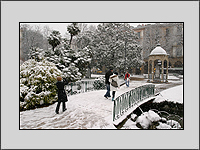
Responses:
[71,88]
[86,86]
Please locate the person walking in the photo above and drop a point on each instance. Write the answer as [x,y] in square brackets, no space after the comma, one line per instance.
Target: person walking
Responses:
[107,76]
[114,84]
[62,96]
[127,78]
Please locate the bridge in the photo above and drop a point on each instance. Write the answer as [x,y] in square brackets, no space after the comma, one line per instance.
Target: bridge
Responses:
[126,103]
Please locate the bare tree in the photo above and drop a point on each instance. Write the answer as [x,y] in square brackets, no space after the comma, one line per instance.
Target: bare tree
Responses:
[30,37]
[46,32]
[82,27]
[92,28]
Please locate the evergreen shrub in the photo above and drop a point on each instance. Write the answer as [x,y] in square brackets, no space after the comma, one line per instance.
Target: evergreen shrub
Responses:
[99,83]
[37,84]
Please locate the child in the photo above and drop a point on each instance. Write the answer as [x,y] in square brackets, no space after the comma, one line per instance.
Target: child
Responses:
[127,78]
[114,87]
[62,96]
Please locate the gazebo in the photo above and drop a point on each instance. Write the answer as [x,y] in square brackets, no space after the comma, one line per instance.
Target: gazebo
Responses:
[157,59]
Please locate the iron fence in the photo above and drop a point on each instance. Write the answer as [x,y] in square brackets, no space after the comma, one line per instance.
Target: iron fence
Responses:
[129,99]
[80,87]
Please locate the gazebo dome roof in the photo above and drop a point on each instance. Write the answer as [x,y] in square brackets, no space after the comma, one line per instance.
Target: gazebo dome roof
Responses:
[158,51]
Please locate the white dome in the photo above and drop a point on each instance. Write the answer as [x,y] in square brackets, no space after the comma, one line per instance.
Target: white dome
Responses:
[158,51]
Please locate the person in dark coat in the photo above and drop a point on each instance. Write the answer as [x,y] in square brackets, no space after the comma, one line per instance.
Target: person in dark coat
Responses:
[107,76]
[62,96]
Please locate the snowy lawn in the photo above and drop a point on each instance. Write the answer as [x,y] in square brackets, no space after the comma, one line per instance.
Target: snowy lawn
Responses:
[174,94]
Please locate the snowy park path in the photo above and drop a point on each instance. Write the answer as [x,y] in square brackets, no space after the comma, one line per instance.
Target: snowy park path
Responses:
[84,111]
[87,110]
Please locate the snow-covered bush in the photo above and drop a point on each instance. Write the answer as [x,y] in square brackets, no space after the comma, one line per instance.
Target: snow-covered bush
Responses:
[36,53]
[174,124]
[153,117]
[71,73]
[151,120]
[99,83]
[147,119]
[163,126]
[143,121]
[37,83]
[83,59]
[67,61]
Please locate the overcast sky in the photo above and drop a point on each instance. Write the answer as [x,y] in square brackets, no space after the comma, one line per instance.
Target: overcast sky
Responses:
[62,27]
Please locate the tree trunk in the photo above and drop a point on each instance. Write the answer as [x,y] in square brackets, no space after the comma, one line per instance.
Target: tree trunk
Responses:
[70,40]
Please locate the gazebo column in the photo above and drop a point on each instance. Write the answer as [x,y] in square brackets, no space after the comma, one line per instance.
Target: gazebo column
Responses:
[167,71]
[162,71]
[152,70]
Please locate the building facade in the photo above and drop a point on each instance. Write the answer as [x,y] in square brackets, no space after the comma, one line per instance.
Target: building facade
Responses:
[170,37]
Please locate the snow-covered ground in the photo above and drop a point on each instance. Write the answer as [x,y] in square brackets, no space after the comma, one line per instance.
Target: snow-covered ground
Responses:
[86,110]
[174,94]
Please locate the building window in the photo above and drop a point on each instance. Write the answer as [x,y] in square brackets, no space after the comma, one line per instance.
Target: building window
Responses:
[138,34]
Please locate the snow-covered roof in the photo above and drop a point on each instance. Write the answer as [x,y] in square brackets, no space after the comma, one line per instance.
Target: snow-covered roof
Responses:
[158,51]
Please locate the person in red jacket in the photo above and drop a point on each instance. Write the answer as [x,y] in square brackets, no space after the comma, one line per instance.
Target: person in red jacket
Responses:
[127,78]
